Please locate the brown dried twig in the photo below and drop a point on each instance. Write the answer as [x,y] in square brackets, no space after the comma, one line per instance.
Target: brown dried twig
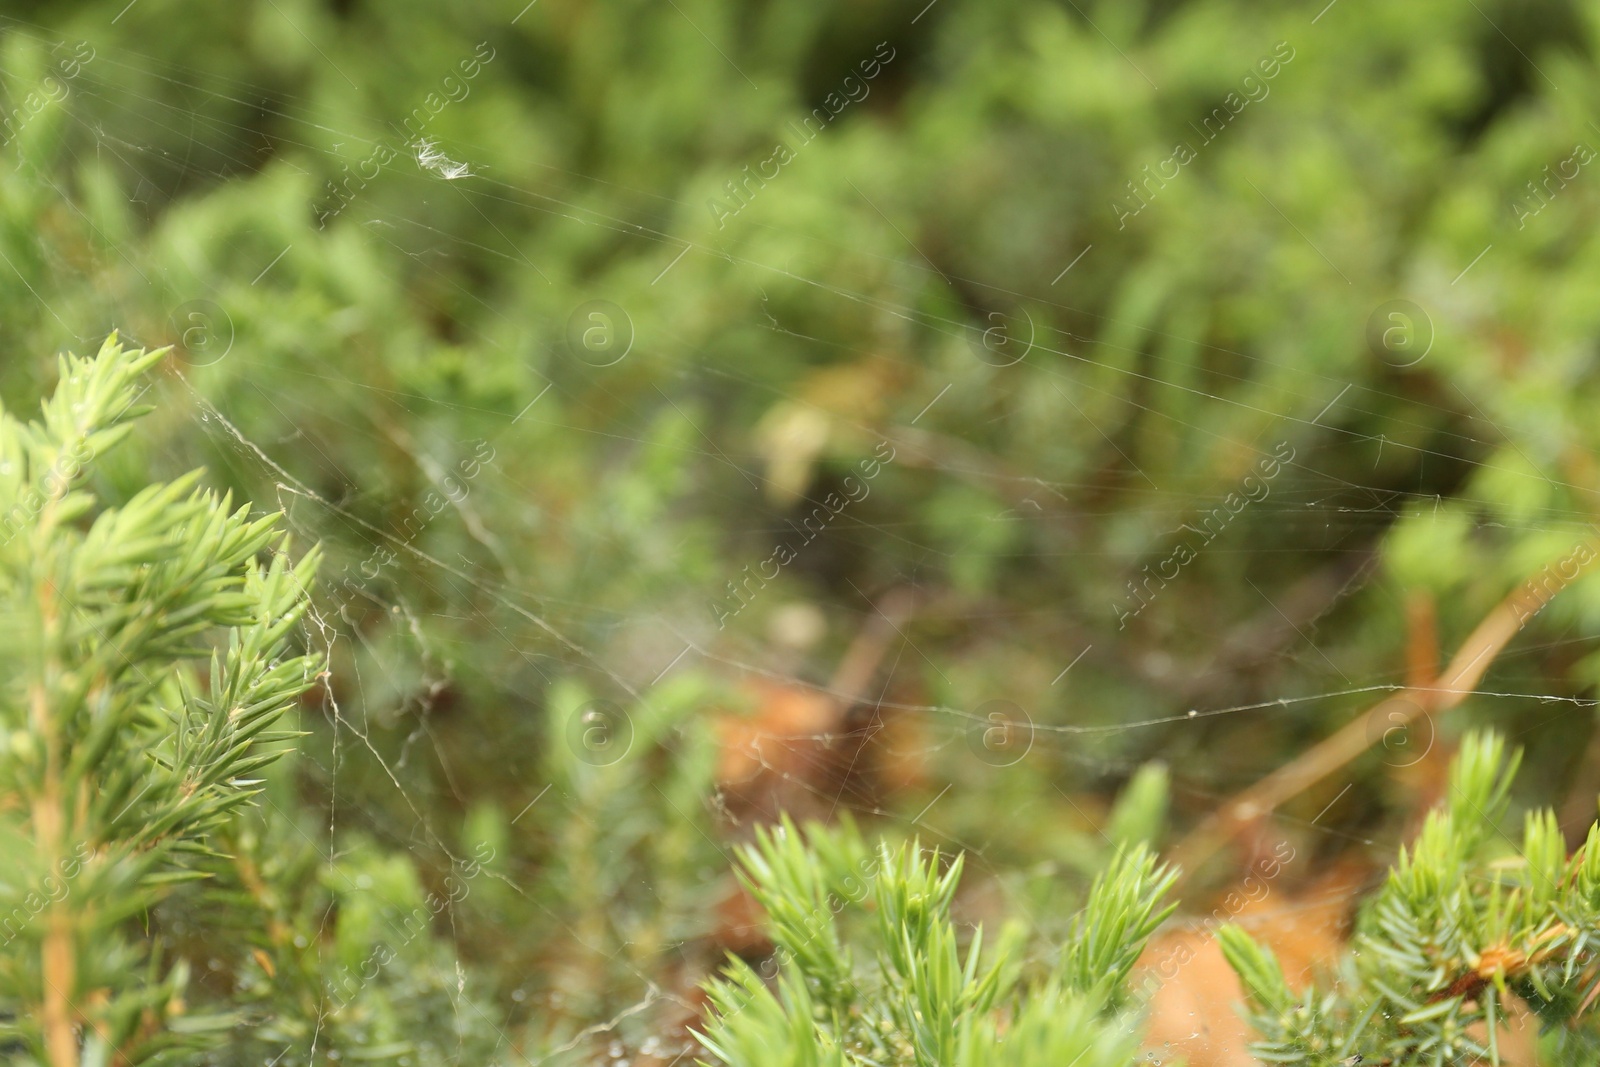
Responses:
[1452,685]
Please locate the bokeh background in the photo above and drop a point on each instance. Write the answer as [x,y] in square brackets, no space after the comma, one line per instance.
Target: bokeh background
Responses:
[717,408]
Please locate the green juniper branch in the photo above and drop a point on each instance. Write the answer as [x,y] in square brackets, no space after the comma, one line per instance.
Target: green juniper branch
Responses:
[143,666]
[915,998]
[1455,934]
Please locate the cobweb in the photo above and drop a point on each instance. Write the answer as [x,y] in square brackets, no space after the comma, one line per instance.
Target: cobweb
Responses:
[857,701]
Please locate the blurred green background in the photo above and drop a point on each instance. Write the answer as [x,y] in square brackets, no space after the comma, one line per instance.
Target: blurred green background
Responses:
[1079,267]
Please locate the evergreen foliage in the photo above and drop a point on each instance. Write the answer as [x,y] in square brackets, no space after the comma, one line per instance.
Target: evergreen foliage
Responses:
[147,666]
[1466,920]
[872,969]
[435,876]
[144,665]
